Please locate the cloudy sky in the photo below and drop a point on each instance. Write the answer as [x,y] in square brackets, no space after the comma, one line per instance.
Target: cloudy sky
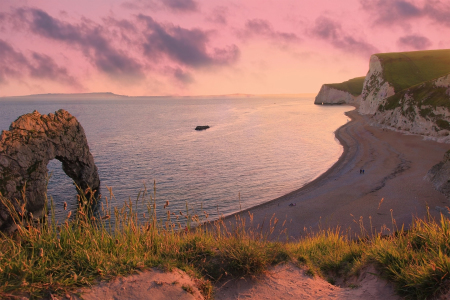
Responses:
[205,47]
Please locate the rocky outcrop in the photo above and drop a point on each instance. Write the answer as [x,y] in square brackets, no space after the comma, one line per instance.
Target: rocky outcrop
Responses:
[417,110]
[330,95]
[439,175]
[375,89]
[25,150]
[200,127]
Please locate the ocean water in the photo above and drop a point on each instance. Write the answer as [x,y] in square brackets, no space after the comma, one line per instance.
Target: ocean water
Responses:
[257,149]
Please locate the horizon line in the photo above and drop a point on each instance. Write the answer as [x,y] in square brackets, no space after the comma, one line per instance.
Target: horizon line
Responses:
[111,94]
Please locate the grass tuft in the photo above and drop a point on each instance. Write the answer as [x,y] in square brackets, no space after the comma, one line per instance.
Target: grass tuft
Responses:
[46,257]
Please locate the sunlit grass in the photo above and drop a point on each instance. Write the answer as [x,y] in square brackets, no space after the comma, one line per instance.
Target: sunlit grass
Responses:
[47,257]
[405,69]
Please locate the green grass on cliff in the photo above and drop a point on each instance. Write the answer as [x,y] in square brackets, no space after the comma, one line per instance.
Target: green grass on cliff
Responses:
[423,94]
[47,258]
[405,69]
[354,86]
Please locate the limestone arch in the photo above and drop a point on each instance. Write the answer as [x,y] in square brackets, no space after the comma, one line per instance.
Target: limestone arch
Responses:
[26,149]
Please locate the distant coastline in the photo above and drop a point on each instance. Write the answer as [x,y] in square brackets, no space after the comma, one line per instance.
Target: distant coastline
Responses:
[109,95]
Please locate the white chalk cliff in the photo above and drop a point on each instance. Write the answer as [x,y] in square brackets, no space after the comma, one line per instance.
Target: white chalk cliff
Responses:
[375,89]
[331,95]
[409,115]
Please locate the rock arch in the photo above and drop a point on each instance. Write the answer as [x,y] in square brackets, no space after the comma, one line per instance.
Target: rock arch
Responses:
[25,150]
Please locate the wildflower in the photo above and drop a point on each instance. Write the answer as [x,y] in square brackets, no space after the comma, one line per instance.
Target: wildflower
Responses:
[65,205]
[41,252]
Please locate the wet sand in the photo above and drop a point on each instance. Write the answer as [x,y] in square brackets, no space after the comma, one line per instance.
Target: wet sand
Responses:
[394,164]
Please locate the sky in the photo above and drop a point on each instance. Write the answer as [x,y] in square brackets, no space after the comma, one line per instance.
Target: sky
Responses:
[205,47]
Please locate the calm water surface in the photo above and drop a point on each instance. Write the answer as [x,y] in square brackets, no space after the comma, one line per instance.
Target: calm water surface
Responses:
[259,148]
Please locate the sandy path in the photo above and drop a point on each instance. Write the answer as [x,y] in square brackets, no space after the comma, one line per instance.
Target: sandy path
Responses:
[151,284]
[290,282]
[394,165]
[280,282]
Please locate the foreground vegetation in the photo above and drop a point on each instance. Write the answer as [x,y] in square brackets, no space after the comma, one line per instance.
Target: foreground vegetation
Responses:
[50,258]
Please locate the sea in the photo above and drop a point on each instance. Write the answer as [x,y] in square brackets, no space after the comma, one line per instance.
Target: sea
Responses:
[256,149]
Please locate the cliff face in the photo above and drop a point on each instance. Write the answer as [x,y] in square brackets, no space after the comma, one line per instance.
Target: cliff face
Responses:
[347,92]
[330,95]
[439,175]
[417,109]
[375,89]
[408,91]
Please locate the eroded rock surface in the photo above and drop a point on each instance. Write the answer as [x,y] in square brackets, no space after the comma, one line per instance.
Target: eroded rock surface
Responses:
[376,89]
[415,110]
[439,175]
[25,150]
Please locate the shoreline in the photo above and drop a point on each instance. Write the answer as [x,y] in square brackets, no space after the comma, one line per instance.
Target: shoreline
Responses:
[395,165]
[316,181]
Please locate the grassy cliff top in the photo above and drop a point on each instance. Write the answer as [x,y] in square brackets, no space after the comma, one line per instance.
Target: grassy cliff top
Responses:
[405,69]
[425,93]
[353,86]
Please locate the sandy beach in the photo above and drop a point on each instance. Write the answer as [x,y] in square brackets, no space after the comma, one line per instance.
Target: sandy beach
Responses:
[394,168]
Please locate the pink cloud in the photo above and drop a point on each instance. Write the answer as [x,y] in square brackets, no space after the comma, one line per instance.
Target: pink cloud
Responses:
[177,6]
[91,38]
[416,42]
[388,12]
[263,28]
[331,31]
[218,15]
[186,46]
[181,5]
[15,65]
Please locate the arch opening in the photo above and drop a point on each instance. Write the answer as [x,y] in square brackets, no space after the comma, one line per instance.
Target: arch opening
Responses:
[60,188]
